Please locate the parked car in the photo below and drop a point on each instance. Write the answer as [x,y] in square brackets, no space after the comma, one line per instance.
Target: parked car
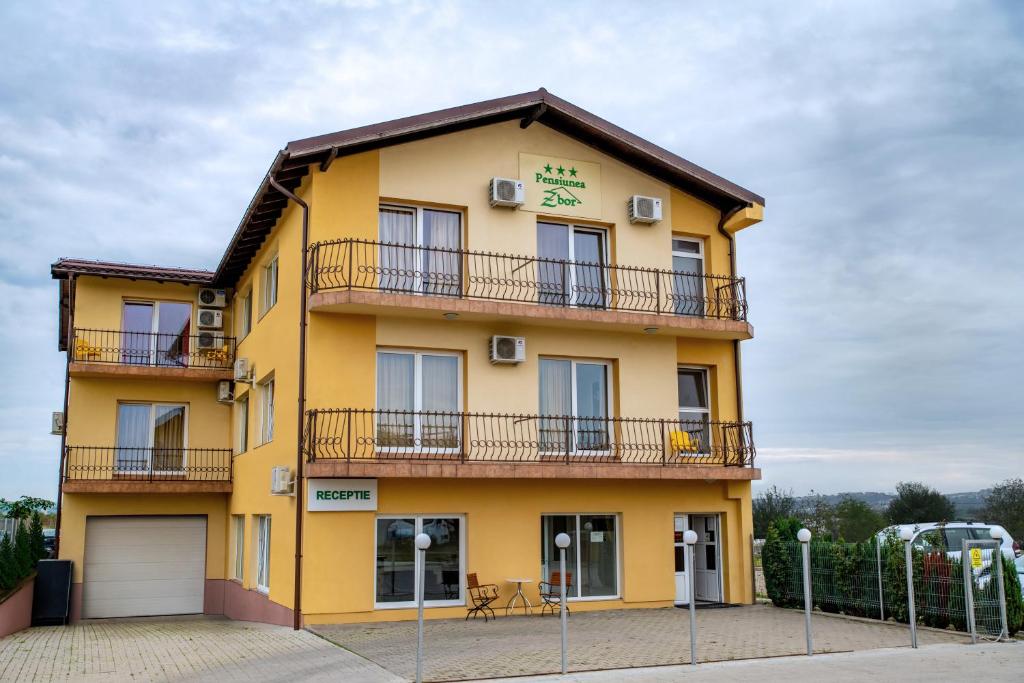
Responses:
[948,537]
[50,541]
[986,575]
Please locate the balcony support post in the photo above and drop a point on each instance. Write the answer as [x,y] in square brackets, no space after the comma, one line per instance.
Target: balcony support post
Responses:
[348,435]
[568,438]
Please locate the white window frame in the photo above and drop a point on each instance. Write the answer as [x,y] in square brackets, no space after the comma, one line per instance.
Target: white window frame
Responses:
[579,558]
[245,315]
[609,394]
[152,433]
[417,568]
[571,271]
[242,404]
[417,210]
[266,396]
[262,530]
[705,411]
[268,285]
[154,323]
[417,396]
[703,266]
[238,547]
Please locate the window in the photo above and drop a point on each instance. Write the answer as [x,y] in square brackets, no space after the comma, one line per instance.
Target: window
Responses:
[688,276]
[151,437]
[694,409]
[156,333]
[576,396]
[573,267]
[398,563]
[266,392]
[263,553]
[268,285]
[245,315]
[243,423]
[419,250]
[419,395]
[592,558]
[238,546]
[954,538]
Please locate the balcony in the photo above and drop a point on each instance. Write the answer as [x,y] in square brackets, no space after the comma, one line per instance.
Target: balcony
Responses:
[107,469]
[358,276]
[97,353]
[351,442]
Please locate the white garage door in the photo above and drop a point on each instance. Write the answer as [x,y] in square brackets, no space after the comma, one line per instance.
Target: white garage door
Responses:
[139,566]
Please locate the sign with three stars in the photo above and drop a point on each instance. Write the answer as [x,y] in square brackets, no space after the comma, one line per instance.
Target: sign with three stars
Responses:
[563,187]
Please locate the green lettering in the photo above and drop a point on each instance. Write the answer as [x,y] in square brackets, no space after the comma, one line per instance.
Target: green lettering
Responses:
[539,178]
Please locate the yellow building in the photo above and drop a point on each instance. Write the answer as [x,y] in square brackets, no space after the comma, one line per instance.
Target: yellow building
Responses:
[489,324]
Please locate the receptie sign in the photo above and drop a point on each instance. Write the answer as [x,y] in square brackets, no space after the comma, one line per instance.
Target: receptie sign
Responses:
[565,187]
[341,495]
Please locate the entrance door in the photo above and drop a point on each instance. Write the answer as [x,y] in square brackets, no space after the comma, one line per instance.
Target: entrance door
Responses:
[706,556]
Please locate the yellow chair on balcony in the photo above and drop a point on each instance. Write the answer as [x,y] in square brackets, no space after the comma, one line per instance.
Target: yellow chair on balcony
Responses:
[86,351]
[682,442]
[219,357]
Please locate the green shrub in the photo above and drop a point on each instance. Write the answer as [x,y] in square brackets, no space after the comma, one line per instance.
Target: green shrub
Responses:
[35,532]
[1014,599]
[23,562]
[8,571]
[778,563]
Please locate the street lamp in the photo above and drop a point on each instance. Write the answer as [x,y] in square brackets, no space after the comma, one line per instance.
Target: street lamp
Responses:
[996,533]
[562,540]
[689,538]
[422,543]
[907,535]
[804,536]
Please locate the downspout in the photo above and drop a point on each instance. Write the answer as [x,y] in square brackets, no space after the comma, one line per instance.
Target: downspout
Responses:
[68,352]
[297,612]
[737,356]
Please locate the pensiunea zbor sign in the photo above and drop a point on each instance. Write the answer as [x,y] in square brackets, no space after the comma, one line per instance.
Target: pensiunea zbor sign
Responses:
[341,495]
[564,187]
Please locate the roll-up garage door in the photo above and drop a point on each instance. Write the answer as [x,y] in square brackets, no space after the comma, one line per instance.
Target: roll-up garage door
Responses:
[144,566]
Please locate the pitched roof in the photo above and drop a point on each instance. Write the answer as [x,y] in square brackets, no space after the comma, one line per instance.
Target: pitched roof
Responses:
[292,163]
[70,266]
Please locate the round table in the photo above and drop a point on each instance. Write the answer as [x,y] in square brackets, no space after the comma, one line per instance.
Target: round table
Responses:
[527,607]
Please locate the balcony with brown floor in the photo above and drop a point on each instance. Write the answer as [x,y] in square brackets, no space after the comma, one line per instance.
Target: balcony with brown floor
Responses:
[203,357]
[114,469]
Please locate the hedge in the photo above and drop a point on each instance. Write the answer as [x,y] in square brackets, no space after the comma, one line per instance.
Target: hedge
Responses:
[18,557]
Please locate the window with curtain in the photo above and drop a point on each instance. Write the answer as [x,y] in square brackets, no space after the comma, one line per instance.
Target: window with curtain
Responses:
[418,400]
[238,545]
[150,437]
[592,559]
[243,423]
[266,391]
[688,276]
[443,564]
[268,285]
[694,408]
[574,406]
[419,250]
[263,553]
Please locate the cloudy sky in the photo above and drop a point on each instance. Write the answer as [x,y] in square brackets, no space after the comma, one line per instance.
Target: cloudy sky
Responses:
[888,138]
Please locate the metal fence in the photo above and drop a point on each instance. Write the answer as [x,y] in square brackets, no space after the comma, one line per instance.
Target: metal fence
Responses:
[209,350]
[8,527]
[400,268]
[350,434]
[94,463]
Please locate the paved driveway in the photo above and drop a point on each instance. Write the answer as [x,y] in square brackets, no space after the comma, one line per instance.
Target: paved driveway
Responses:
[515,646]
[172,649]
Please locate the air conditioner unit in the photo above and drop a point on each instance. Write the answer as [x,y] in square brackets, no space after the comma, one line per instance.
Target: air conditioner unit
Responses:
[215,298]
[242,370]
[211,319]
[508,349]
[507,192]
[281,483]
[208,340]
[57,423]
[644,209]
[225,391]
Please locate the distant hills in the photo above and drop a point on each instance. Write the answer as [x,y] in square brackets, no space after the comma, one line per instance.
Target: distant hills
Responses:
[968,504]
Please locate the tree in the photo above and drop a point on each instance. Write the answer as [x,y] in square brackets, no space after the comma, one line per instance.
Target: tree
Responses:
[23,561]
[1004,505]
[35,532]
[770,505]
[8,572]
[820,517]
[23,507]
[857,521]
[915,503]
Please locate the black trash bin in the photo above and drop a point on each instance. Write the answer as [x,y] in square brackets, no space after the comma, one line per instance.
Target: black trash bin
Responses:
[51,600]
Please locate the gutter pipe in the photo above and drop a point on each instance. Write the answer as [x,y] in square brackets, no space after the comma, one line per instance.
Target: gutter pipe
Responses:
[72,284]
[297,611]
[737,356]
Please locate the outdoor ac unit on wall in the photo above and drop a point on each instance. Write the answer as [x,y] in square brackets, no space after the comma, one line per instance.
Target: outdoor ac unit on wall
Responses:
[281,483]
[225,391]
[215,298]
[507,349]
[211,319]
[507,192]
[644,209]
[242,370]
[209,341]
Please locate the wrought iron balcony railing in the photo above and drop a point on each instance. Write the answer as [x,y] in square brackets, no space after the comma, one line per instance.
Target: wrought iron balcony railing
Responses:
[354,434]
[352,264]
[99,463]
[207,350]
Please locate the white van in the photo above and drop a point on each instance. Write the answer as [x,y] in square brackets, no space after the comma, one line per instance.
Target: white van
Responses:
[948,537]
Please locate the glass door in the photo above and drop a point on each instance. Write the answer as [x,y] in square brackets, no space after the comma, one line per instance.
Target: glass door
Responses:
[589,272]
[694,412]
[688,277]
[574,406]
[420,251]
[572,267]
[137,342]
[156,333]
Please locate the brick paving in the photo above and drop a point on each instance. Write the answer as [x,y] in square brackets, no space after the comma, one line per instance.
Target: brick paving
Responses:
[172,649]
[516,646]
